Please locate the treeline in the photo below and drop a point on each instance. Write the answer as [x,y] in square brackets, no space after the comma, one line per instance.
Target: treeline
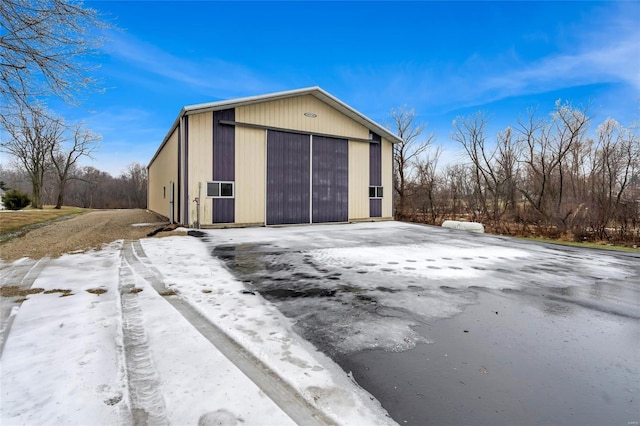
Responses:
[87,187]
[545,176]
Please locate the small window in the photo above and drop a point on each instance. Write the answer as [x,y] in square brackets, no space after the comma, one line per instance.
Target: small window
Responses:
[375,192]
[220,189]
[213,189]
[226,189]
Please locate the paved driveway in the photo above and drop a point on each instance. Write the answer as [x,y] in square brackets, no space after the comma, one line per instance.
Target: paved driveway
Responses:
[449,327]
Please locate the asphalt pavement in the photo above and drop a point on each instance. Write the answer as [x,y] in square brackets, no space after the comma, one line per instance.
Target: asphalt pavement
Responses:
[451,327]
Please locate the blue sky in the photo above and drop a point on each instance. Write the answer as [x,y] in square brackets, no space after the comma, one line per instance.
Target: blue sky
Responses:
[444,59]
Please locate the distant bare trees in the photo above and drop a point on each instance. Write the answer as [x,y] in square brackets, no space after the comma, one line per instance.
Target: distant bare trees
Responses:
[543,176]
[614,174]
[42,143]
[493,167]
[32,137]
[64,156]
[89,188]
[548,147]
[425,201]
[135,179]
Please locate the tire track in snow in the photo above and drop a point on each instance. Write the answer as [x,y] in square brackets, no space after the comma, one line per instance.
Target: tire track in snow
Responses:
[146,401]
[280,392]
[22,275]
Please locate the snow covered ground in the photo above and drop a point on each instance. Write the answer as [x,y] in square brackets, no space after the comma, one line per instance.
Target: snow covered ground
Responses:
[130,341]
[451,327]
[113,351]
[366,286]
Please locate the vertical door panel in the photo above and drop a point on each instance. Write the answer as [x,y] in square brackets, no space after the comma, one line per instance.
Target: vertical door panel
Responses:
[330,192]
[375,207]
[223,163]
[288,178]
[375,174]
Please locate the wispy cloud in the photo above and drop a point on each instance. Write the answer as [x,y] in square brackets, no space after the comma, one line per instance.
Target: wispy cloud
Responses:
[209,74]
[618,62]
[609,53]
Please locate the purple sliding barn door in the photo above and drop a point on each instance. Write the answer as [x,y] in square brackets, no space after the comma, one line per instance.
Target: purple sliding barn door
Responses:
[330,188]
[224,156]
[288,178]
[375,174]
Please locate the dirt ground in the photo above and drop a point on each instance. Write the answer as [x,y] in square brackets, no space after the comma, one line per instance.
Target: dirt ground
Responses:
[83,232]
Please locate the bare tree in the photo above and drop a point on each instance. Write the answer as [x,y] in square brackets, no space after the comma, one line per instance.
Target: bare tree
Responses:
[470,133]
[32,136]
[427,181]
[615,161]
[82,143]
[44,50]
[135,185]
[508,170]
[493,164]
[406,152]
[91,189]
[15,179]
[458,190]
[547,147]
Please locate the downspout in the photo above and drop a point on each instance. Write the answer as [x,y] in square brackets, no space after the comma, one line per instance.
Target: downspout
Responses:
[187,195]
[179,174]
[197,201]
[171,202]
[183,216]
[148,189]
[393,174]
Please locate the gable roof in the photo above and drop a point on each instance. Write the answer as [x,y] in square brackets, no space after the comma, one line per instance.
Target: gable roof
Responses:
[315,91]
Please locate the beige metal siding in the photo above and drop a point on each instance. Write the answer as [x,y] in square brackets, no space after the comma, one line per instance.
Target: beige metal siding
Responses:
[250,159]
[387,178]
[250,175]
[162,172]
[200,165]
[289,114]
[358,180]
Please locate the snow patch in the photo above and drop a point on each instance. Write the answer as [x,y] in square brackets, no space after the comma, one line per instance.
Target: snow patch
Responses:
[260,328]
[60,364]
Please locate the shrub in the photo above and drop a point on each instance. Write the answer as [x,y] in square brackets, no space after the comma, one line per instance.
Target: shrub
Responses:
[15,200]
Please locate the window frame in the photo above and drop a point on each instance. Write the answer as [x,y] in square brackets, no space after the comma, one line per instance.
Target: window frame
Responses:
[219,183]
[378,191]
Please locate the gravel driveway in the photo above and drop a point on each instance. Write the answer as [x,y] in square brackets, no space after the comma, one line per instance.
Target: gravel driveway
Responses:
[83,232]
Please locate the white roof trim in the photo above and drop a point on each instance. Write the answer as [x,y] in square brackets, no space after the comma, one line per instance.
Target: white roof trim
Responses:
[314,91]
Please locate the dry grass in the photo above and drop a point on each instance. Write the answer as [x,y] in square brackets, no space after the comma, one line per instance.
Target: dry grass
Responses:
[168,293]
[80,233]
[15,291]
[97,291]
[65,292]
[135,290]
[601,245]
[16,221]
